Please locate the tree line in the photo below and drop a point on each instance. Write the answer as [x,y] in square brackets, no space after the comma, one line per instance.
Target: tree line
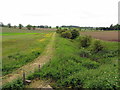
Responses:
[20,26]
[31,27]
[111,27]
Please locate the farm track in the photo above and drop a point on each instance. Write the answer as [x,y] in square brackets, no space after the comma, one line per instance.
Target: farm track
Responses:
[41,84]
[30,67]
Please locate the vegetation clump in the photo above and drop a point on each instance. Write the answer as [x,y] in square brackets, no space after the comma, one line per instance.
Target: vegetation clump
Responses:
[98,46]
[75,33]
[85,41]
[67,33]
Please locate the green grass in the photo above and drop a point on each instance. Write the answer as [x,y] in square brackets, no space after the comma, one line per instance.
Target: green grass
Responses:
[16,30]
[68,69]
[21,48]
[17,33]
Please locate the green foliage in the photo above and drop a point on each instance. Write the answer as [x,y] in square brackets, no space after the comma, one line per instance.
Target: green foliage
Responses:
[84,53]
[29,27]
[68,69]
[20,26]
[85,41]
[102,78]
[19,49]
[34,27]
[66,34]
[14,85]
[75,33]
[75,67]
[9,25]
[19,59]
[61,30]
[90,64]
[98,46]
[34,75]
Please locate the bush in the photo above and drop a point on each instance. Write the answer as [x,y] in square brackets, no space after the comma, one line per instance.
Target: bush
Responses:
[14,85]
[90,64]
[29,27]
[61,30]
[106,77]
[66,34]
[97,46]
[84,53]
[75,33]
[71,34]
[85,41]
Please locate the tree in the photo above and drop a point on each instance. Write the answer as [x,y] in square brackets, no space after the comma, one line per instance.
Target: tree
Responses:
[75,33]
[15,26]
[9,25]
[41,26]
[1,24]
[111,27]
[20,26]
[45,26]
[57,27]
[34,27]
[117,27]
[29,27]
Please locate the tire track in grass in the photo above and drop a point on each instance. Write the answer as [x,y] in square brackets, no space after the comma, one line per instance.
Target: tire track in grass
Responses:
[30,67]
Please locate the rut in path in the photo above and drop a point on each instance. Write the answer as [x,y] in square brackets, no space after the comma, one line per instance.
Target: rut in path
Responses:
[30,67]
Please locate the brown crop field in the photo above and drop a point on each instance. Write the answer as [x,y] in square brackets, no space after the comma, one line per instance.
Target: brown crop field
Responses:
[103,35]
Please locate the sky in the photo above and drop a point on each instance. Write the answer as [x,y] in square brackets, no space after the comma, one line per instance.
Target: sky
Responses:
[94,13]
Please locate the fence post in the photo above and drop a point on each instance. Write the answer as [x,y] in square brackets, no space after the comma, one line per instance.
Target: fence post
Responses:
[39,71]
[24,77]
[39,68]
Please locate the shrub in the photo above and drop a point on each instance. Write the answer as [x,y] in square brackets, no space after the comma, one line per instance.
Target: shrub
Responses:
[29,27]
[84,53]
[61,30]
[75,33]
[66,34]
[97,46]
[14,85]
[106,77]
[85,41]
[90,64]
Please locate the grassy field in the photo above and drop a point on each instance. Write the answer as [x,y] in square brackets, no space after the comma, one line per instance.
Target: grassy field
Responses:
[68,69]
[72,65]
[21,47]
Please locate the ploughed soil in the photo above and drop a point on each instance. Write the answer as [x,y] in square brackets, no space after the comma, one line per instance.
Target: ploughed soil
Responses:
[103,35]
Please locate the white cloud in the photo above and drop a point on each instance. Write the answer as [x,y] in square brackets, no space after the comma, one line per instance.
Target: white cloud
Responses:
[59,12]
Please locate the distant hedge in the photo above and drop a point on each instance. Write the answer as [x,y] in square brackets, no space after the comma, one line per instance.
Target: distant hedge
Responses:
[70,34]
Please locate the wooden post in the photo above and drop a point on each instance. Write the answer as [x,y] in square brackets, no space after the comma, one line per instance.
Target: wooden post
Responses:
[39,70]
[23,78]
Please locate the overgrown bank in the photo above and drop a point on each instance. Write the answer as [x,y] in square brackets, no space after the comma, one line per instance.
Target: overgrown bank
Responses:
[76,66]
[82,63]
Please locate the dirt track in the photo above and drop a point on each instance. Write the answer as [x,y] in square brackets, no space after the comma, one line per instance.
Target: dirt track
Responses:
[103,35]
[30,67]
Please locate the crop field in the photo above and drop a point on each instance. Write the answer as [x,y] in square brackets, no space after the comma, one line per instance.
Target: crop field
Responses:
[103,35]
[66,61]
[21,48]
